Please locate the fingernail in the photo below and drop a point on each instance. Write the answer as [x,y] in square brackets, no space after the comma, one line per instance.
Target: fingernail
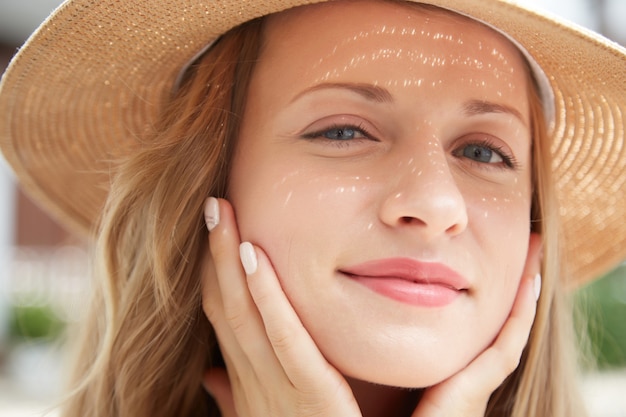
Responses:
[248,257]
[211,213]
[537,286]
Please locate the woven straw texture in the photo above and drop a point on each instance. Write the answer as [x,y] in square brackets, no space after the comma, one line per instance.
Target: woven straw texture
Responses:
[89,83]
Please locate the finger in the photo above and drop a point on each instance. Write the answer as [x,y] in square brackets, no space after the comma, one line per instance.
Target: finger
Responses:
[220,265]
[217,383]
[503,356]
[292,344]
[237,322]
[532,268]
[213,380]
[228,344]
[212,304]
[467,392]
[224,249]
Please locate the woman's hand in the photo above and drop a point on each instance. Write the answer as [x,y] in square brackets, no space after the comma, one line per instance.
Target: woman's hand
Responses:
[466,393]
[273,367]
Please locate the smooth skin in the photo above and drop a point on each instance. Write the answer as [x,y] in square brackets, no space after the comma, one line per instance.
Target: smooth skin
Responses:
[274,367]
[395,132]
[409,138]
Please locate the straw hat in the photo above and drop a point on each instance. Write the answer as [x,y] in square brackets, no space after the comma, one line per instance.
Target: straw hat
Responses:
[90,81]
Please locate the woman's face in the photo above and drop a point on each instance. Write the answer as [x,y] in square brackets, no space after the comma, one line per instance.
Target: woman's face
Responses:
[384,166]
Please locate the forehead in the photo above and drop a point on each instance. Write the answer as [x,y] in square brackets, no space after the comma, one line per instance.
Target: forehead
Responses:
[347,38]
[364,18]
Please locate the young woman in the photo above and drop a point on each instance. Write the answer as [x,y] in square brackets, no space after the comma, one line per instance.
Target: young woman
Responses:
[342,209]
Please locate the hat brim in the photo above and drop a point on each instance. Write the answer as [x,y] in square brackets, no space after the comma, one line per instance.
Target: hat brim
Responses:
[89,84]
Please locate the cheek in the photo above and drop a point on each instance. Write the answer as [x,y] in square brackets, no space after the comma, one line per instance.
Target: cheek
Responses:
[501,226]
[501,221]
[295,212]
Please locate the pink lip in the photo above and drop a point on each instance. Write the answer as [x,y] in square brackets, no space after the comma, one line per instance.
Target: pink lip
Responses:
[425,284]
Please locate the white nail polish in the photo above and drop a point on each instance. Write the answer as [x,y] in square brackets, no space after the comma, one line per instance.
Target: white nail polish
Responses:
[211,213]
[537,286]
[248,257]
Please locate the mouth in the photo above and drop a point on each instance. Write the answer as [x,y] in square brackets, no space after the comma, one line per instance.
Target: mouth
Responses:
[423,284]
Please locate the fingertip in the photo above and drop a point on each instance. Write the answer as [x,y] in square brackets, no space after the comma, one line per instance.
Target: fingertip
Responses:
[526,309]
[537,286]
[261,276]
[248,258]
[224,236]
[211,213]
[532,267]
[525,305]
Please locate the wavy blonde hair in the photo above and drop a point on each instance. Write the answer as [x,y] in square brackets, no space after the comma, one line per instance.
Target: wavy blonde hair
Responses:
[546,382]
[146,342]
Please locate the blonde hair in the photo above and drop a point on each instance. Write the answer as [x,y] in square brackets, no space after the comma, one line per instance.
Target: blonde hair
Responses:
[146,341]
[545,383]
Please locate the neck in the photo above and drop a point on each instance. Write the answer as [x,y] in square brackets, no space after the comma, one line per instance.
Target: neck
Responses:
[383,401]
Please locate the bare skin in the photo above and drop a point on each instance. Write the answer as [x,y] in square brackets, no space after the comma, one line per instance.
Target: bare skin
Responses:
[438,101]
[275,369]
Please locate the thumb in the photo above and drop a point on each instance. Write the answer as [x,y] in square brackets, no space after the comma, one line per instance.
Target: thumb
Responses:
[217,384]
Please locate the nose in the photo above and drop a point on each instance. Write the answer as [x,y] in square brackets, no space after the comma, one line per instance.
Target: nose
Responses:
[425,197]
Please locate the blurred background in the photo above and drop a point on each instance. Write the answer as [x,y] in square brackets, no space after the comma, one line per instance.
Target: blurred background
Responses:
[44,271]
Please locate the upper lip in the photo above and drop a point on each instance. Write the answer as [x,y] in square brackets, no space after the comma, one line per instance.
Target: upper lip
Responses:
[410,270]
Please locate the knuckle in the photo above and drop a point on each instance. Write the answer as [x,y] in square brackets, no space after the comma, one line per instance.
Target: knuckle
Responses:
[219,244]
[210,310]
[235,318]
[281,340]
[261,296]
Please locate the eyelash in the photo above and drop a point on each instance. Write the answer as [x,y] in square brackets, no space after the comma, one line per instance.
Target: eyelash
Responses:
[319,134]
[508,160]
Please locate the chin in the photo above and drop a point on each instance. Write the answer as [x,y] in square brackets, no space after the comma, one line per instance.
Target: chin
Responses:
[416,372]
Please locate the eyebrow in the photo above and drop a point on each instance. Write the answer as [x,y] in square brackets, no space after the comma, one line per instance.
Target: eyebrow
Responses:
[368,91]
[479,107]
[382,95]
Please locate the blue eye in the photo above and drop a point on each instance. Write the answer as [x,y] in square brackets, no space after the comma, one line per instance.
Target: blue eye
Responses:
[485,152]
[339,133]
[480,153]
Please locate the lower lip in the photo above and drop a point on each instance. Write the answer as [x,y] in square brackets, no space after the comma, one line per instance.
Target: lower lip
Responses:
[414,293]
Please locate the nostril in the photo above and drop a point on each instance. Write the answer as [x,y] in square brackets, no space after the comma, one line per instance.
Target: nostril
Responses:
[409,220]
[456,228]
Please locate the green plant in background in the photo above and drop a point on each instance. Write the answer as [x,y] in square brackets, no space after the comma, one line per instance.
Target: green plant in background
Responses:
[34,322]
[603,306]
